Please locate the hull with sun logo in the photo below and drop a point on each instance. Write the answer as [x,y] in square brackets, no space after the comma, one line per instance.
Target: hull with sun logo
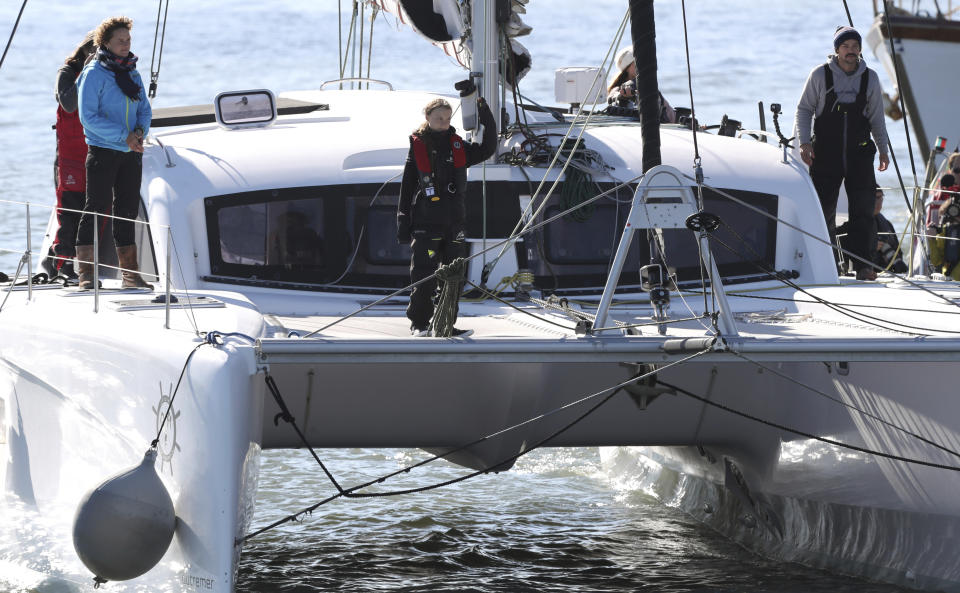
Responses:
[93,405]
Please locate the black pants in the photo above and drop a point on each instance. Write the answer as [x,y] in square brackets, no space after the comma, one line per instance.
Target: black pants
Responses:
[860,184]
[113,177]
[430,250]
[63,241]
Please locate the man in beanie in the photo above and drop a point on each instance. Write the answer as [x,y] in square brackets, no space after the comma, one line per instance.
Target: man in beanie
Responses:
[843,101]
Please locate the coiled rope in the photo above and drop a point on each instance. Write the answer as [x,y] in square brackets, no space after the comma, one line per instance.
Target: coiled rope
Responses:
[451,276]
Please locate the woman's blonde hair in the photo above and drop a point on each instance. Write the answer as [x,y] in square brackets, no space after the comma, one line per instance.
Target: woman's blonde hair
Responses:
[952,160]
[429,108]
[104,30]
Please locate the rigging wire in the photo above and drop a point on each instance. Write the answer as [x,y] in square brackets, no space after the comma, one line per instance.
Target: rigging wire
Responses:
[363,8]
[519,228]
[744,295]
[340,37]
[349,45]
[373,21]
[351,492]
[785,223]
[192,317]
[698,169]
[808,435]
[16,24]
[693,111]
[859,316]
[845,404]
[155,74]
[473,256]
[13,282]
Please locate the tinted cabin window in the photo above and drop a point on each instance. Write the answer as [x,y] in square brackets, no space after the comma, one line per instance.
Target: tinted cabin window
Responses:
[330,237]
[309,237]
[575,252]
[344,237]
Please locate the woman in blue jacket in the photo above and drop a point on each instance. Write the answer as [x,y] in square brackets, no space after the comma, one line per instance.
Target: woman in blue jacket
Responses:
[116,116]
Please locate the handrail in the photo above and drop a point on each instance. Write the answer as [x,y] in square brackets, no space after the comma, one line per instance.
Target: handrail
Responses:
[357,79]
[28,254]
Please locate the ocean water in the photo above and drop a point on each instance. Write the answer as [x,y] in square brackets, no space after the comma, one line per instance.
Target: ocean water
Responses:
[556,522]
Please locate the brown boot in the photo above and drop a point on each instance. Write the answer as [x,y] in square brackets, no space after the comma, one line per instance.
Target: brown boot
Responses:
[129,268]
[85,266]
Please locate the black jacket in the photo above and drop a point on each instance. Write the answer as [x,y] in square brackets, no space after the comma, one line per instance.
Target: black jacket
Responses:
[449,213]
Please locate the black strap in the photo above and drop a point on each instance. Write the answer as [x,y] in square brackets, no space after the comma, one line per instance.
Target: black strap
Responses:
[862,94]
[830,102]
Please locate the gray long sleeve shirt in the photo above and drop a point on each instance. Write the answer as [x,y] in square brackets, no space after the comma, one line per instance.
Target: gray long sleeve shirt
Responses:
[846,86]
[66,89]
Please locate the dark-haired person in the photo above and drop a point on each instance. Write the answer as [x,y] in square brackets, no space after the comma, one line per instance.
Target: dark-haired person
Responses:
[116,116]
[431,213]
[887,255]
[621,90]
[843,101]
[69,170]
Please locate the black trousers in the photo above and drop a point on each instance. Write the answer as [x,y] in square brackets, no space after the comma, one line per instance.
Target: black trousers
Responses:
[860,183]
[430,251]
[63,241]
[113,177]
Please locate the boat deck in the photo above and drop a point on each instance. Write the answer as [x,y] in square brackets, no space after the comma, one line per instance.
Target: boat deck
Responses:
[890,315]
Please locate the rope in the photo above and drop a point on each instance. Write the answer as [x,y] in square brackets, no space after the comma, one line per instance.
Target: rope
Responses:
[12,33]
[287,417]
[807,434]
[213,338]
[352,491]
[445,313]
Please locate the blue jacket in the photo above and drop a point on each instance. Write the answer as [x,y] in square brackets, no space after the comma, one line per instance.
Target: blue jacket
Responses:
[108,116]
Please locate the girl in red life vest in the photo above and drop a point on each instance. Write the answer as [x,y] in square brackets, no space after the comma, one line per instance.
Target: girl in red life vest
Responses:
[431,214]
[69,171]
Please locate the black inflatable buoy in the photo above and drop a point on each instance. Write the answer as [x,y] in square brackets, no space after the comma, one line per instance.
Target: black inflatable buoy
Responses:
[124,526]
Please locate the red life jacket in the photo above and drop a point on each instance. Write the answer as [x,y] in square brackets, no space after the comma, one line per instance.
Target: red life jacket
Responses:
[71,152]
[427,174]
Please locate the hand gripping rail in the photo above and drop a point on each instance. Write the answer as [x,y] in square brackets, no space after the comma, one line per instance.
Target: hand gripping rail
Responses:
[664,200]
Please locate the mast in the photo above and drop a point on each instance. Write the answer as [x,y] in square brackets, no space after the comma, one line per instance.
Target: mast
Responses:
[486,52]
[643,33]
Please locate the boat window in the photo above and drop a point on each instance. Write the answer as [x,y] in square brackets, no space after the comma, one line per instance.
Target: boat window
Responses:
[330,237]
[567,242]
[344,237]
[575,252]
[310,237]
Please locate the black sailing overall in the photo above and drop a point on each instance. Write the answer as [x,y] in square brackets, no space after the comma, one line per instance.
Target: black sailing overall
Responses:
[843,153]
[441,160]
